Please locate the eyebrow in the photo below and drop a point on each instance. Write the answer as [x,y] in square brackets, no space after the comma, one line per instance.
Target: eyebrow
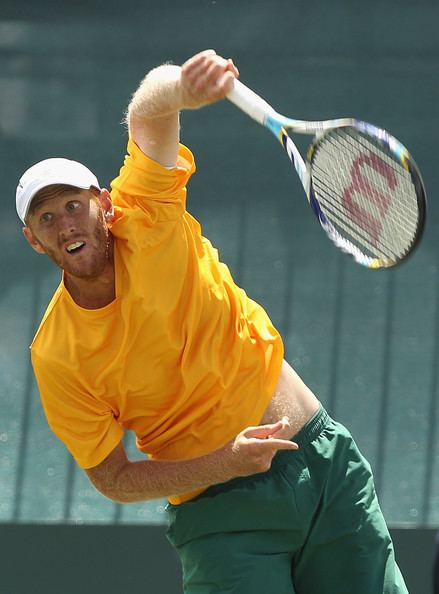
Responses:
[44,196]
[39,203]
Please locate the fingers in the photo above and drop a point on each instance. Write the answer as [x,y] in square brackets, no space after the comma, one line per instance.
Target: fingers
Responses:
[232,68]
[275,444]
[279,444]
[225,83]
[264,431]
[208,77]
[258,453]
[204,57]
[255,447]
[270,435]
[195,65]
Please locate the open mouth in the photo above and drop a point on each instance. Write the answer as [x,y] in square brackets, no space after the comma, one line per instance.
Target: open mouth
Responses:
[75,247]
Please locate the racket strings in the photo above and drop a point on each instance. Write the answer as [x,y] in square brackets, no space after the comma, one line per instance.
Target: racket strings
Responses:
[359,234]
[344,216]
[398,169]
[355,181]
[404,181]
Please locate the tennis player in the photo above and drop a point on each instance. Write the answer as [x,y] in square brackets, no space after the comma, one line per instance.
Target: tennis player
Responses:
[148,332]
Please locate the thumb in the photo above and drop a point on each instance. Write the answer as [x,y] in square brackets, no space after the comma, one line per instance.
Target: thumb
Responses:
[264,431]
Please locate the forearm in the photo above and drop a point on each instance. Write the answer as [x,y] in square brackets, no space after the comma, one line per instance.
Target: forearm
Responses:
[250,452]
[151,479]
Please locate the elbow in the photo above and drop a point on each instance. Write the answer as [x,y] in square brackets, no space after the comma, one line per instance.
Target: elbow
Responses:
[125,497]
[113,495]
[120,498]
[117,490]
[116,478]
[109,489]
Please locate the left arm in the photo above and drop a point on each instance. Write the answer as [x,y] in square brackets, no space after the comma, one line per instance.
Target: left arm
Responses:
[251,452]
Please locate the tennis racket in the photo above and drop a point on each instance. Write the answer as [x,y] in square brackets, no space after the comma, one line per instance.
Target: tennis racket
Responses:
[362,184]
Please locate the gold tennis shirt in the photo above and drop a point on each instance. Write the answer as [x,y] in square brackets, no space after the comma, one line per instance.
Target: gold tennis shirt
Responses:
[182,356]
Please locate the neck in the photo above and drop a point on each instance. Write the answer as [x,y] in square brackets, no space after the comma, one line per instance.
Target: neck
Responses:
[93,293]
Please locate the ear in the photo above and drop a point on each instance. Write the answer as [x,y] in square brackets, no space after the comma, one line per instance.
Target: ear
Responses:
[33,241]
[107,205]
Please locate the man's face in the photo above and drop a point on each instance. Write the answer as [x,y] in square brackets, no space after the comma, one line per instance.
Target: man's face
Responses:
[68,225]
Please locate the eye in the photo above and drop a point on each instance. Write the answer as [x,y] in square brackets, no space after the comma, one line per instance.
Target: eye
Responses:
[73,205]
[46,217]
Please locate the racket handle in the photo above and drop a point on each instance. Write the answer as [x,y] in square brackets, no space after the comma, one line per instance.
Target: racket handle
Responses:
[247,100]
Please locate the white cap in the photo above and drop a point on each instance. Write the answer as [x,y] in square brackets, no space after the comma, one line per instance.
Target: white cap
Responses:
[49,172]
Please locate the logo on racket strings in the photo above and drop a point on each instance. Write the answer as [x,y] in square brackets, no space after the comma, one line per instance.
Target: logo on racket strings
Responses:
[366,203]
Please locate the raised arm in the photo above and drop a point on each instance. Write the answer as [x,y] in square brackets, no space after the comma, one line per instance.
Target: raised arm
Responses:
[153,113]
[251,452]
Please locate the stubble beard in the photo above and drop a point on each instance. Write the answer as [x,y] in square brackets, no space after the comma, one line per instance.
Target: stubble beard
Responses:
[96,262]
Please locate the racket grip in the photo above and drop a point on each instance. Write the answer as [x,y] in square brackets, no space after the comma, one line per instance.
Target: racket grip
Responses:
[249,102]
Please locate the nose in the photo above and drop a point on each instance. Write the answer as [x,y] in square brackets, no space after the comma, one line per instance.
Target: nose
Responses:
[66,225]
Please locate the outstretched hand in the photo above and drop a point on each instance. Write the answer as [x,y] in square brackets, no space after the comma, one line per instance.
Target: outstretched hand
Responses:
[255,447]
[206,78]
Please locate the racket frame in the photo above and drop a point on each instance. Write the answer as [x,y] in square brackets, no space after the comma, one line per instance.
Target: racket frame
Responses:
[263,113]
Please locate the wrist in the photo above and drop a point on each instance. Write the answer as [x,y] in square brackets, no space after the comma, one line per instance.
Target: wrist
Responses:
[159,94]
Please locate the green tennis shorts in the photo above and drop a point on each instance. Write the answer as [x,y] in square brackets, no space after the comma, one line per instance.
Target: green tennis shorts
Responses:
[310,525]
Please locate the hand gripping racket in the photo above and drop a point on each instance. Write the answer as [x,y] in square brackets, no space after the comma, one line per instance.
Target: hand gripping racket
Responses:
[362,184]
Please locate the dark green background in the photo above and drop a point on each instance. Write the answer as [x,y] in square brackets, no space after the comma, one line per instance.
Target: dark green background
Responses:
[366,342]
[116,559]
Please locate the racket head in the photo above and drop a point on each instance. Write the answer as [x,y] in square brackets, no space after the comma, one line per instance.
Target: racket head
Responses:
[367,192]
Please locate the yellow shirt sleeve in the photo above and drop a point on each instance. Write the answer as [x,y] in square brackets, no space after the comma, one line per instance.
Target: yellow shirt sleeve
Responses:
[83,423]
[146,185]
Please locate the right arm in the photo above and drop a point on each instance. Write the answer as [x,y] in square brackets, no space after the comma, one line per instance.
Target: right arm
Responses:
[153,112]
[251,452]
